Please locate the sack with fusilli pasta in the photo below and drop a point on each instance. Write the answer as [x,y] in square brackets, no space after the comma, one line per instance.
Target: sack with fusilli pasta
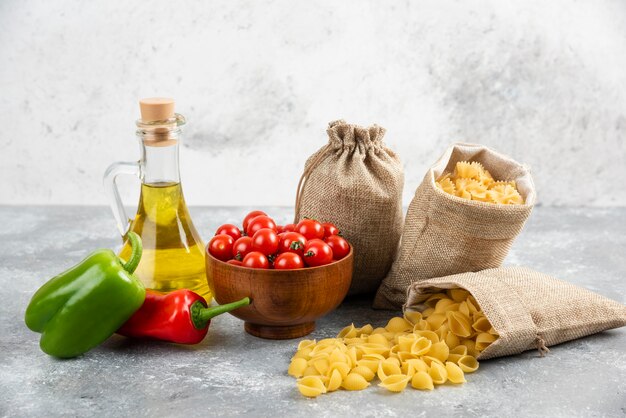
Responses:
[356,182]
[527,309]
[446,233]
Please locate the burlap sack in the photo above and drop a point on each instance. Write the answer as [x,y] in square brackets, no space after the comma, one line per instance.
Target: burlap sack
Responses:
[528,309]
[445,234]
[356,182]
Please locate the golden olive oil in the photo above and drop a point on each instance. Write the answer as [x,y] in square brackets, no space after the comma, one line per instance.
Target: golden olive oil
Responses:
[173,255]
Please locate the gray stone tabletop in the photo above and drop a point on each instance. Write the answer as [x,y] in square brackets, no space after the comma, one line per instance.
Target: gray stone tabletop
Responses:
[232,373]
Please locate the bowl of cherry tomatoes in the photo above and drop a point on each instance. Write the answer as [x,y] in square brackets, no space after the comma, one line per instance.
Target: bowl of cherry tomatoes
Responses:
[293,274]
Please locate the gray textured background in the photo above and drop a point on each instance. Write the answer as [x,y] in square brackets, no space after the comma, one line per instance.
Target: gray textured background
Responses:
[541,81]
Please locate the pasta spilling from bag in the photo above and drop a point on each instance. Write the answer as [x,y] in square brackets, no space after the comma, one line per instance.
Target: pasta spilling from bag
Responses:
[520,309]
[471,181]
[438,345]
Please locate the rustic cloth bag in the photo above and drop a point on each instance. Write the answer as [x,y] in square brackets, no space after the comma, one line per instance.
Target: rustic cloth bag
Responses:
[528,309]
[356,182]
[445,234]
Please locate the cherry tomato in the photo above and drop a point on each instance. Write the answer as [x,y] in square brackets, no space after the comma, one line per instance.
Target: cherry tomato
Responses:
[229,229]
[289,227]
[288,261]
[250,217]
[265,241]
[260,222]
[256,260]
[221,247]
[317,253]
[280,229]
[242,247]
[292,242]
[310,229]
[235,262]
[339,245]
[330,229]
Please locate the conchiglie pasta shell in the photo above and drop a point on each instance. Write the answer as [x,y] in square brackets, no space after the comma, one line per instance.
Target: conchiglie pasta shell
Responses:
[342,368]
[368,348]
[439,351]
[412,316]
[378,339]
[398,324]
[366,329]
[422,381]
[304,353]
[322,349]
[427,312]
[321,365]
[468,364]
[484,340]
[334,381]
[436,320]
[442,305]
[458,295]
[310,371]
[355,381]
[378,330]
[431,335]
[454,357]
[311,386]
[395,383]
[455,374]
[459,324]
[421,325]
[432,300]
[371,364]
[326,342]
[306,343]
[438,373]
[452,340]
[418,364]
[405,342]
[365,372]
[297,367]
[406,355]
[352,356]
[337,356]
[387,368]
[471,347]
[464,309]
[460,349]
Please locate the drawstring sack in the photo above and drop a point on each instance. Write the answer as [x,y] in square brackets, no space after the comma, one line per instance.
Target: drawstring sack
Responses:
[529,310]
[445,234]
[356,182]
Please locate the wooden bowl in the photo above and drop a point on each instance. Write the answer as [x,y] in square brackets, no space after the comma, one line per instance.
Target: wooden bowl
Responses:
[285,303]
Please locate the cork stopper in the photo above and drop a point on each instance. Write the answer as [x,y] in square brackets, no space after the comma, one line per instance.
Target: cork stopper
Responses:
[156,108]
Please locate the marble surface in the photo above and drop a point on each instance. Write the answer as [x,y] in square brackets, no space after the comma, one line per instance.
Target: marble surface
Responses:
[232,373]
[540,81]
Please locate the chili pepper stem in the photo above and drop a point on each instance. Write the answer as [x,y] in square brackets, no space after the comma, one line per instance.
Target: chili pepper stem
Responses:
[201,315]
[135,255]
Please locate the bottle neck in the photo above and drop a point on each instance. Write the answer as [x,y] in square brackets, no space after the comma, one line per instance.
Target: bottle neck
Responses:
[159,142]
[159,165]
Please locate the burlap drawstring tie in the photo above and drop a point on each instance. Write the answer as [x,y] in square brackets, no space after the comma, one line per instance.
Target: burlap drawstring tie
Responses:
[541,346]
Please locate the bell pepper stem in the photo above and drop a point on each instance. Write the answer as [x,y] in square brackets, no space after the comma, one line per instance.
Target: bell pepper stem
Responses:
[135,255]
[201,315]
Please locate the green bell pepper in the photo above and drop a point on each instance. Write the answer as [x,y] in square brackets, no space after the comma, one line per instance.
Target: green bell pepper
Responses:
[83,306]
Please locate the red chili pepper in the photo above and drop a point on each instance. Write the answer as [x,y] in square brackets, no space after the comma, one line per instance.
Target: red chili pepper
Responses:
[181,317]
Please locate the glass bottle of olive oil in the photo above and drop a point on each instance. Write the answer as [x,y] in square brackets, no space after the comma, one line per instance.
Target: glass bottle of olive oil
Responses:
[173,252]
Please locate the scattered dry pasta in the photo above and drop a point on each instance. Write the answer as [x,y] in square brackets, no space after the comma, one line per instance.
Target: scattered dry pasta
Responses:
[436,346]
[472,181]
